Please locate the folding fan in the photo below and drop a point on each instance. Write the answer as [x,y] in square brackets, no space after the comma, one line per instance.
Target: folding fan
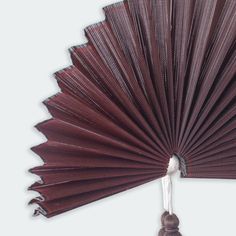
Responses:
[152,91]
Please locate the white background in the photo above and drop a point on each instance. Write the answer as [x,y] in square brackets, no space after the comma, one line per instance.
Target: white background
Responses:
[34,37]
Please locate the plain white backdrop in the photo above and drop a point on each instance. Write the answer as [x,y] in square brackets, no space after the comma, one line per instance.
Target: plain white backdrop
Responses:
[34,38]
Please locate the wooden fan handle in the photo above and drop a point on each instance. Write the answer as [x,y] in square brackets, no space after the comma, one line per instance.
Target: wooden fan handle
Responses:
[170,225]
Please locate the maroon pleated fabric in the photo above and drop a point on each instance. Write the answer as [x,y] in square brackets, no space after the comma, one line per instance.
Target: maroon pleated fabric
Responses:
[156,78]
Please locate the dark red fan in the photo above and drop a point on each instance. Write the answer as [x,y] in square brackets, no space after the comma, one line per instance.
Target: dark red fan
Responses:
[153,91]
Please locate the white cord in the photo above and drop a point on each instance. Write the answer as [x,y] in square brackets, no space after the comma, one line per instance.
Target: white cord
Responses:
[167,184]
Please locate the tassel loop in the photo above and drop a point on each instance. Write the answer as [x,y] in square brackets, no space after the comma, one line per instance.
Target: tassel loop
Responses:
[170,222]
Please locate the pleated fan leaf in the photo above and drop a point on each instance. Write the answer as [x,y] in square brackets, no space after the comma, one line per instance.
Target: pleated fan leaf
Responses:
[155,79]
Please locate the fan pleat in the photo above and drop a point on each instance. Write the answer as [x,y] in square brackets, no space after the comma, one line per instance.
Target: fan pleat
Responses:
[82,89]
[181,23]
[103,39]
[60,131]
[225,38]
[73,111]
[155,79]
[52,208]
[144,28]
[87,57]
[227,133]
[59,175]
[218,124]
[61,190]
[161,16]
[201,26]
[117,16]
[65,155]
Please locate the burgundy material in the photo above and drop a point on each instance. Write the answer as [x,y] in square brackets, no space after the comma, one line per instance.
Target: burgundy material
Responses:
[156,78]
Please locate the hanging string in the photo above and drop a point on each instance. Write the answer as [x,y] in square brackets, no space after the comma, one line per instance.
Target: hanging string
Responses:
[167,184]
[170,221]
